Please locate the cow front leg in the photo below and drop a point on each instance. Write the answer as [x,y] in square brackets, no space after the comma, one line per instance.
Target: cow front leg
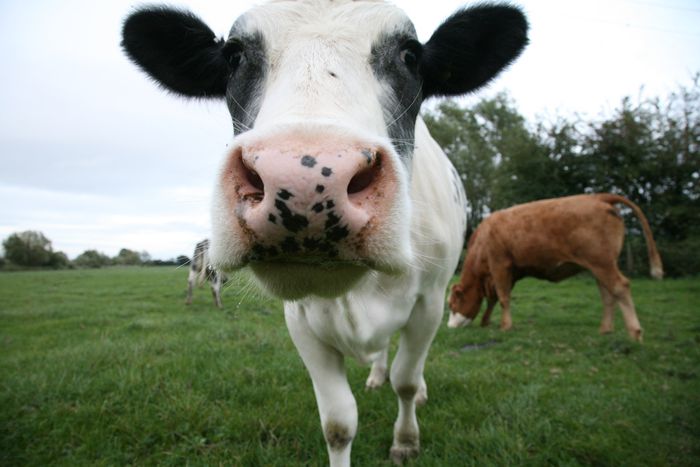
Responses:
[506,319]
[377,375]
[191,279]
[486,319]
[336,404]
[407,374]
[503,283]
[216,286]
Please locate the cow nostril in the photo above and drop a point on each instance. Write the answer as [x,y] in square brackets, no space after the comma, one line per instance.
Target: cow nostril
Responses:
[360,181]
[256,188]
[363,179]
[254,179]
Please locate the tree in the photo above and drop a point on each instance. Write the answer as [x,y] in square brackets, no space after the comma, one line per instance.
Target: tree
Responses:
[182,260]
[458,131]
[524,170]
[92,259]
[28,248]
[145,257]
[500,160]
[127,257]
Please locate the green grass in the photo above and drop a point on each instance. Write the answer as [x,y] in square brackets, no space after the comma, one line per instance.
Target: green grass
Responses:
[109,367]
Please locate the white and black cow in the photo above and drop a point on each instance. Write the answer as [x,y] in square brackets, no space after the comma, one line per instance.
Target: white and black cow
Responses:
[202,270]
[333,192]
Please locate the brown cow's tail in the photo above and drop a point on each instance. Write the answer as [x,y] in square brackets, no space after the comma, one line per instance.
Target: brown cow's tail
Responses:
[656,268]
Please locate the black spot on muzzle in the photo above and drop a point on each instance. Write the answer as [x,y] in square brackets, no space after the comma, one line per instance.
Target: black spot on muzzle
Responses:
[308,161]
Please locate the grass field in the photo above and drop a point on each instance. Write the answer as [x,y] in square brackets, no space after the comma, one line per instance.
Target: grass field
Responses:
[109,367]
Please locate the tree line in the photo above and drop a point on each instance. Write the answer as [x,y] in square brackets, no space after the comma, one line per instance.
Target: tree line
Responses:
[647,150]
[31,249]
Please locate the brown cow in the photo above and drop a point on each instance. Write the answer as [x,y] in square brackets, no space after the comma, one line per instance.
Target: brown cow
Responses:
[551,239]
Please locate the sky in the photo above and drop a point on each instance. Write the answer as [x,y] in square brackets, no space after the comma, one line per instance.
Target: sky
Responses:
[95,156]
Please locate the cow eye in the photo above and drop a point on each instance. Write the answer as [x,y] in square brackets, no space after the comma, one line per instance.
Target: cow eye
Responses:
[233,52]
[410,54]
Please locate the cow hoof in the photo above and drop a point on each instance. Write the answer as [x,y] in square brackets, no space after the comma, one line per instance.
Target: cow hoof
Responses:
[506,327]
[637,335]
[401,453]
[606,330]
[375,379]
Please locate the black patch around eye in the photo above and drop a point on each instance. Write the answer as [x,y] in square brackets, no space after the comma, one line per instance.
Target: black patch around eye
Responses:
[402,102]
[318,207]
[308,161]
[245,83]
[410,54]
[233,52]
[326,171]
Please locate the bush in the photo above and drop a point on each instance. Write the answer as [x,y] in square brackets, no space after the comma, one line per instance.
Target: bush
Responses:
[681,258]
[92,259]
[59,260]
[127,257]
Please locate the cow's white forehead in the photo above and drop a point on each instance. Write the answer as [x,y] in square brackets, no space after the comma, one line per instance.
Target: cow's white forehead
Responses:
[305,41]
[360,22]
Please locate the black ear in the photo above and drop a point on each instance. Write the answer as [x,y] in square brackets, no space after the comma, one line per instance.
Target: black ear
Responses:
[471,47]
[177,50]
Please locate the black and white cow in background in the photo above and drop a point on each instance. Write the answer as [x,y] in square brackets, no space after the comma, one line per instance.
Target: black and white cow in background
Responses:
[202,270]
[333,192]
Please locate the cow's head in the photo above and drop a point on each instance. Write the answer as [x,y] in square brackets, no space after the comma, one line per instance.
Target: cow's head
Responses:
[465,302]
[323,95]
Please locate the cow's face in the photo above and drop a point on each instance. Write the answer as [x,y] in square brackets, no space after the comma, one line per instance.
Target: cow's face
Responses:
[323,95]
[464,303]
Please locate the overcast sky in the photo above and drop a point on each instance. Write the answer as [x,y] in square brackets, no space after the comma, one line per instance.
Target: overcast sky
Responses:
[95,156]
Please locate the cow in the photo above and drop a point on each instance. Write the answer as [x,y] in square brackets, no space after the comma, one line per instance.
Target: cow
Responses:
[333,192]
[550,239]
[202,270]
